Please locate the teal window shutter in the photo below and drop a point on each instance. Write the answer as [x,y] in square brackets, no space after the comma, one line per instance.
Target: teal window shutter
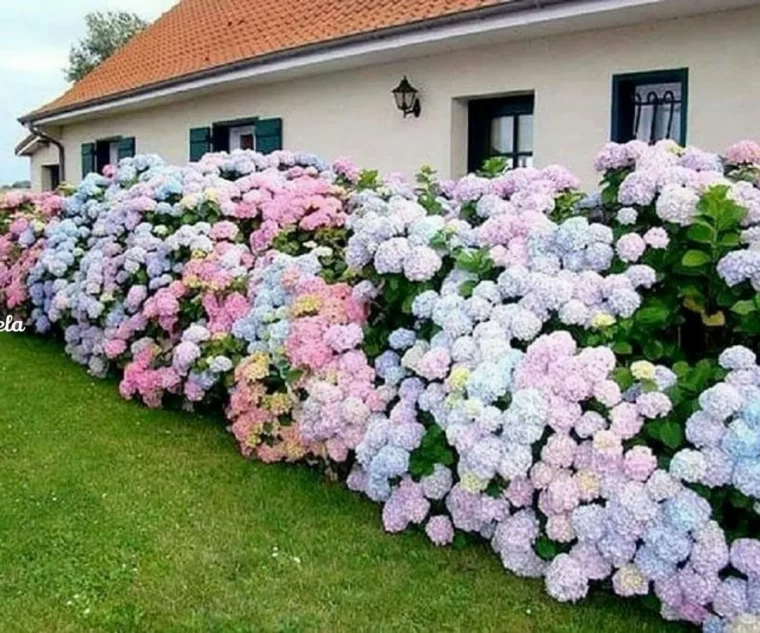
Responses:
[88,158]
[268,135]
[200,142]
[126,147]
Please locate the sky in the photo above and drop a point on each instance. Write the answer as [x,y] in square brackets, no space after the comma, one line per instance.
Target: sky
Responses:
[35,37]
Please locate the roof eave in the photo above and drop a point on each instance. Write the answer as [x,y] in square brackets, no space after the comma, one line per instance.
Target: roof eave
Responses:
[28,145]
[516,6]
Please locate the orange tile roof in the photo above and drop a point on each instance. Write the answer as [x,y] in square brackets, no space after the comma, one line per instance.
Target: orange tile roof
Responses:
[198,35]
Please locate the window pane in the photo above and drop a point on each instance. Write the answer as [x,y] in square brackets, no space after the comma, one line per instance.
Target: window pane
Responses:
[525,133]
[657,112]
[246,141]
[502,135]
[113,153]
[525,161]
[240,135]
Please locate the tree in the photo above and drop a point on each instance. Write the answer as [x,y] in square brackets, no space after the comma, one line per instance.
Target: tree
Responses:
[106,32]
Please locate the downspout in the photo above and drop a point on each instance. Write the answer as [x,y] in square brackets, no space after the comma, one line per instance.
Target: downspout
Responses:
[61,149]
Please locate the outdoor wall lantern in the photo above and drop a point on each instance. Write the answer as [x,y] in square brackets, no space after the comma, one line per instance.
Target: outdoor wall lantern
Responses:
[407,98]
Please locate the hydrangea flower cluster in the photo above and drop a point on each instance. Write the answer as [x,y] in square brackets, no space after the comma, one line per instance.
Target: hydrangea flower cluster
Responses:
[672,180]
[113,270]
[23,219]
[394,236]
[305,386]
[725,430]
[451,345]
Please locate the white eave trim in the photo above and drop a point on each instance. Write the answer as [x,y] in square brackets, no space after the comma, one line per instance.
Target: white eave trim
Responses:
[474,27]
[30,147]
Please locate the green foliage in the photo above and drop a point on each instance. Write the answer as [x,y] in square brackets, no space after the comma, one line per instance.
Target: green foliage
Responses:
[106,33]
[467,287]
[690,313]
[668,432]
[475,261]
[427,192]
[546,548]
[566,205]
[433,450]
[493,167]
[375,340]
[610,186]
[368,179]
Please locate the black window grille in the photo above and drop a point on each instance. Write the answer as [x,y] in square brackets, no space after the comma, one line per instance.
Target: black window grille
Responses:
[650,106]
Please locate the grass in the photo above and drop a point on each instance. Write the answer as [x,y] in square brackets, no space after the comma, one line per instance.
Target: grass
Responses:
[117,518]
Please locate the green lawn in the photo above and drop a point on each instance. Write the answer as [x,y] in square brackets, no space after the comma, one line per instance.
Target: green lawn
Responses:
[117,518]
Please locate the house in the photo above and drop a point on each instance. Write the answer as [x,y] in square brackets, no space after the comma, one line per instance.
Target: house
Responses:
[45,161]
[537,81]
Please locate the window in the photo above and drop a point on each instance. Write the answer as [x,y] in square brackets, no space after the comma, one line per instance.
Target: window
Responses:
[501,127]
[227,136]
[262,135]
[107,151]
[650,106]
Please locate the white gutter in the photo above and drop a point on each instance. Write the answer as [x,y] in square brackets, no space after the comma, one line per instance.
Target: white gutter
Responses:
[475,27]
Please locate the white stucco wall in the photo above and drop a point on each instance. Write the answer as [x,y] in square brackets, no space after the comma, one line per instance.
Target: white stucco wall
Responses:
[352,113]
[45,155]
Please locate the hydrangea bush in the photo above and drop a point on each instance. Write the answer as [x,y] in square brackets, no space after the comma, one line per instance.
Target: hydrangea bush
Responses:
[570,377]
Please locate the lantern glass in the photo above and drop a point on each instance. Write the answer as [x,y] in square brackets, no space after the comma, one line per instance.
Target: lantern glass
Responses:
[406,97]
[400,100]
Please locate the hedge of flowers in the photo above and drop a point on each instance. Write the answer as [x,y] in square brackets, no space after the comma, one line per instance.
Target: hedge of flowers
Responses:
[571,377]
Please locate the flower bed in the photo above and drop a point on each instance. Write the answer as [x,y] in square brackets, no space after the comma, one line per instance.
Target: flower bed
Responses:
[500,357]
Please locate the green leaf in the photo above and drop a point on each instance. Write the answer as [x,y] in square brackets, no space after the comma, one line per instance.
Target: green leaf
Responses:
[466,287]
[715,203]
[622,348]
[652,315]
[731,216]
[701,232]
[694,259]
[440,240]
[545,548]
[654,349]
[691,291]
[681,368]
[730,240]
[368,179]
[743,308]
[701,374]
[623,377]
[432,450]
[739,500]
[477,262]
[652,428]
[671,434]
[294,375]
[726,297]
[493,167]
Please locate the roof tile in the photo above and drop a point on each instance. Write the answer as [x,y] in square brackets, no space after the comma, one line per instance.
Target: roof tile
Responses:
[198,35]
